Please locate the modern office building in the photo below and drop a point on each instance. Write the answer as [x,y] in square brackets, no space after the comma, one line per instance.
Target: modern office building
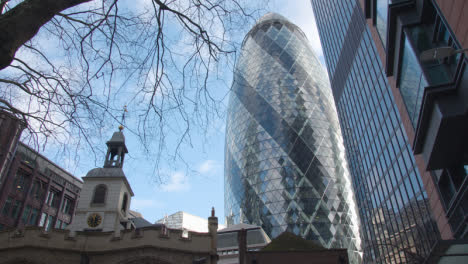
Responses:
[404,120]
[34,190]
[285,168]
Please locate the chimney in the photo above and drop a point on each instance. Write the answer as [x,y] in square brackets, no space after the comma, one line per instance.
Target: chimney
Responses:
[213,230]
[242,240]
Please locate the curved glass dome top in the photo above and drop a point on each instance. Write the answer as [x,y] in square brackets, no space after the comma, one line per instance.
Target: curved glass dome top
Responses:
[285,168]
[274,19]
[271,16]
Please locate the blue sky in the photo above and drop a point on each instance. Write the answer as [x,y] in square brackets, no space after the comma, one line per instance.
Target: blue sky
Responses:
[198,185]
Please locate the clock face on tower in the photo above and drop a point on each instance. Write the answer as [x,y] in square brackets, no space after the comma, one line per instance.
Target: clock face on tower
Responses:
[94,220]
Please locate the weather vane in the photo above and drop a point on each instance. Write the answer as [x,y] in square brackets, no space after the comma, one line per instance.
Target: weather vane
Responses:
[121,127]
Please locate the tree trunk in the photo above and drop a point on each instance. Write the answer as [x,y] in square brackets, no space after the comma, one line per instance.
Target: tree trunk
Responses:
[22,23]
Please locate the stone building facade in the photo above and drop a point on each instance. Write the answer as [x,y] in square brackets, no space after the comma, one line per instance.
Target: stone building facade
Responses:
[149,245]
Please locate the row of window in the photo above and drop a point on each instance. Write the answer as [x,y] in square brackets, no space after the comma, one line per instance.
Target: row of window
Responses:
[387,186]
[375,145]
[334,19]
[12,208]
[47,221]
[414,76]
[39,189]
[30,215]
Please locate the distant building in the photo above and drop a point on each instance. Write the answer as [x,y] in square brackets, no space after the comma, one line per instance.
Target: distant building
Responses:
[229,243]
[138,220]
[185,221]
[34,191]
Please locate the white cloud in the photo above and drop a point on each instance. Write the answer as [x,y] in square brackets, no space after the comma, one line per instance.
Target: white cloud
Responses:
[140,204]
[177,182]
[208,167]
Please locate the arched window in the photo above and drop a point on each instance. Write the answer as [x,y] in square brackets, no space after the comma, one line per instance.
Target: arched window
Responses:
[100,194]
[124,202]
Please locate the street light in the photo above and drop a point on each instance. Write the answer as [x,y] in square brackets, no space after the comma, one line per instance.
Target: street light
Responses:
[439,53]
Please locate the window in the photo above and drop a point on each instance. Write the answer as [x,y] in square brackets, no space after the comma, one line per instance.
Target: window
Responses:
[50,222]
[7,206]
[21,182]
[427,36]
[124,203]
[58,224]
[53,198]
[33,217]
[381,20]
[16,209]
[412,82]
[26,212]
[38,190]
[100,194]
[450,181]
[43,219]
[67,206]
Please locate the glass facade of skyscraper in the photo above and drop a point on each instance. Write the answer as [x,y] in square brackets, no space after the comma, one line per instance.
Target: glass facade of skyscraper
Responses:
[285,167]
[396,223]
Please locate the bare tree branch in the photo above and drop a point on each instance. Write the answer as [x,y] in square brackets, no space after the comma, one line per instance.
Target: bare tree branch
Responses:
[67,67]
[21,23]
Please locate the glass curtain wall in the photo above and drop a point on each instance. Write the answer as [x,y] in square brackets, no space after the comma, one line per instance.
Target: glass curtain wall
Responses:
[396,224]
[285,168]
[381,20]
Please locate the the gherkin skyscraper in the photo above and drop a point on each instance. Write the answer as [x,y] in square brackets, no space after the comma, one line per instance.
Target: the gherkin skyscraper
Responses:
[285,167]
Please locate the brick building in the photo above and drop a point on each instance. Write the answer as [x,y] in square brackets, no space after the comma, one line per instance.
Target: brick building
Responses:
[33,191]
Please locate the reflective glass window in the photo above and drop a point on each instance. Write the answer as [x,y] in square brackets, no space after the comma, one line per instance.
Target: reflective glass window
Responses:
[381,21]
[412,82]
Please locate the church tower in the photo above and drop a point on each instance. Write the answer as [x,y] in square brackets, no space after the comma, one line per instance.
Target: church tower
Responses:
[106,194]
